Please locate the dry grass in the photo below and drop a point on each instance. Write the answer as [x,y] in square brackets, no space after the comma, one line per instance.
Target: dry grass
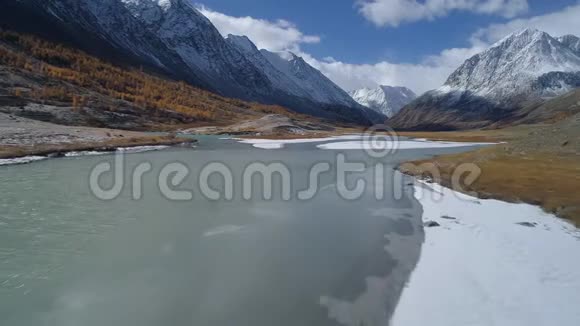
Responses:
[154,95]
[495,135]
[553,182]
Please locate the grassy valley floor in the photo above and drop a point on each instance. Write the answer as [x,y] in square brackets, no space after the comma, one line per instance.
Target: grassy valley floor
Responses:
[537,164]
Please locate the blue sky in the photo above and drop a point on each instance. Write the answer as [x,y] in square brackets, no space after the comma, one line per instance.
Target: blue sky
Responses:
[393,35]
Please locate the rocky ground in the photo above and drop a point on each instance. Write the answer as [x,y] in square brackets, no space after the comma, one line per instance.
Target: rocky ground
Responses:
[270,125]
[22,136]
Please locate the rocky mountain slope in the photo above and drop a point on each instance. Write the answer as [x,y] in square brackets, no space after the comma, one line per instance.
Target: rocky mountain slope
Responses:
[387,100]
[290,73]
[319,87]
[49,82]
[524,68]
[571,41]
[278,79]
[102,28]
[173,38]
[194,38]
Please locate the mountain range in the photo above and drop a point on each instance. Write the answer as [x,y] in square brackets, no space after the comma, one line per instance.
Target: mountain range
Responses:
[172,37]
[387,100]
[494,86]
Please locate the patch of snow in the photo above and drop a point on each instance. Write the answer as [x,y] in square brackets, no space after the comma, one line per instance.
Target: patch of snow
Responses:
[141,149]
[402,144]
[50,11]
[279,143]
[21,160]
[85,153]
[485,269]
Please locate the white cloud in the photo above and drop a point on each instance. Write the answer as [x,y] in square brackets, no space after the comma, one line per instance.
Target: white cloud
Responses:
[428,74]
[395,12]
[565,21]
[277,35]
[282,35]
[421,77]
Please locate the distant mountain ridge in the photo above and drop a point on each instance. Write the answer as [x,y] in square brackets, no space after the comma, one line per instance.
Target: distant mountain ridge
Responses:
[173,37]
[387,100]
[525,67]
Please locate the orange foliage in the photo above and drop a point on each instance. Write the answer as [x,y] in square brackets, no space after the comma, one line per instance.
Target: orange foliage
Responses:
[134,86]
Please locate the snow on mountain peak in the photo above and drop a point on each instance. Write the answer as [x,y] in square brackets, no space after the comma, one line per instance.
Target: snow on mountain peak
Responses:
[242,42]
[318,87]
[387,100]
[164,4]
[511,65]
[189,33]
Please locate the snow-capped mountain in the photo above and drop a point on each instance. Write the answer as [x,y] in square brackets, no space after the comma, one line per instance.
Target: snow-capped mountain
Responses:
[101,27]
[387,100]
[510,66]
[234,65]
[524,67]
[278,79]
[319,87]
[290,73]
[172,36]
[186,31]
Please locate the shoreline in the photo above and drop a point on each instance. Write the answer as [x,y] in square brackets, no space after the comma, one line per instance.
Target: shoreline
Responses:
[22,137]
[535,178]
[61,150]
[481,259]
[530,166]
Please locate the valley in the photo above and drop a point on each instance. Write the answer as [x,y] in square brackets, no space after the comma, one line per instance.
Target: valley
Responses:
[169,162]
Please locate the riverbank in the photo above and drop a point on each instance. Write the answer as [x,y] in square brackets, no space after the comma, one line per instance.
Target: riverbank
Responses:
[489,262]
[22,137]
[537,164]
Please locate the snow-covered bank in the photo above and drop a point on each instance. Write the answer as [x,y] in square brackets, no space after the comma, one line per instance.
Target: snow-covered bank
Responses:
[125,150]
[401,144]
[141,149]
[491,263]
[21,160]
[354,142]
[279,143]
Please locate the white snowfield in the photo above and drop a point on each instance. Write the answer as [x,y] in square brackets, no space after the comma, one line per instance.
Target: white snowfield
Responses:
[483,268]
[401,144]
[279,143]
[354,142]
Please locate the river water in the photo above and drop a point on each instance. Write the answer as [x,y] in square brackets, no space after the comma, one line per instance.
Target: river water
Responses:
[69,258]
